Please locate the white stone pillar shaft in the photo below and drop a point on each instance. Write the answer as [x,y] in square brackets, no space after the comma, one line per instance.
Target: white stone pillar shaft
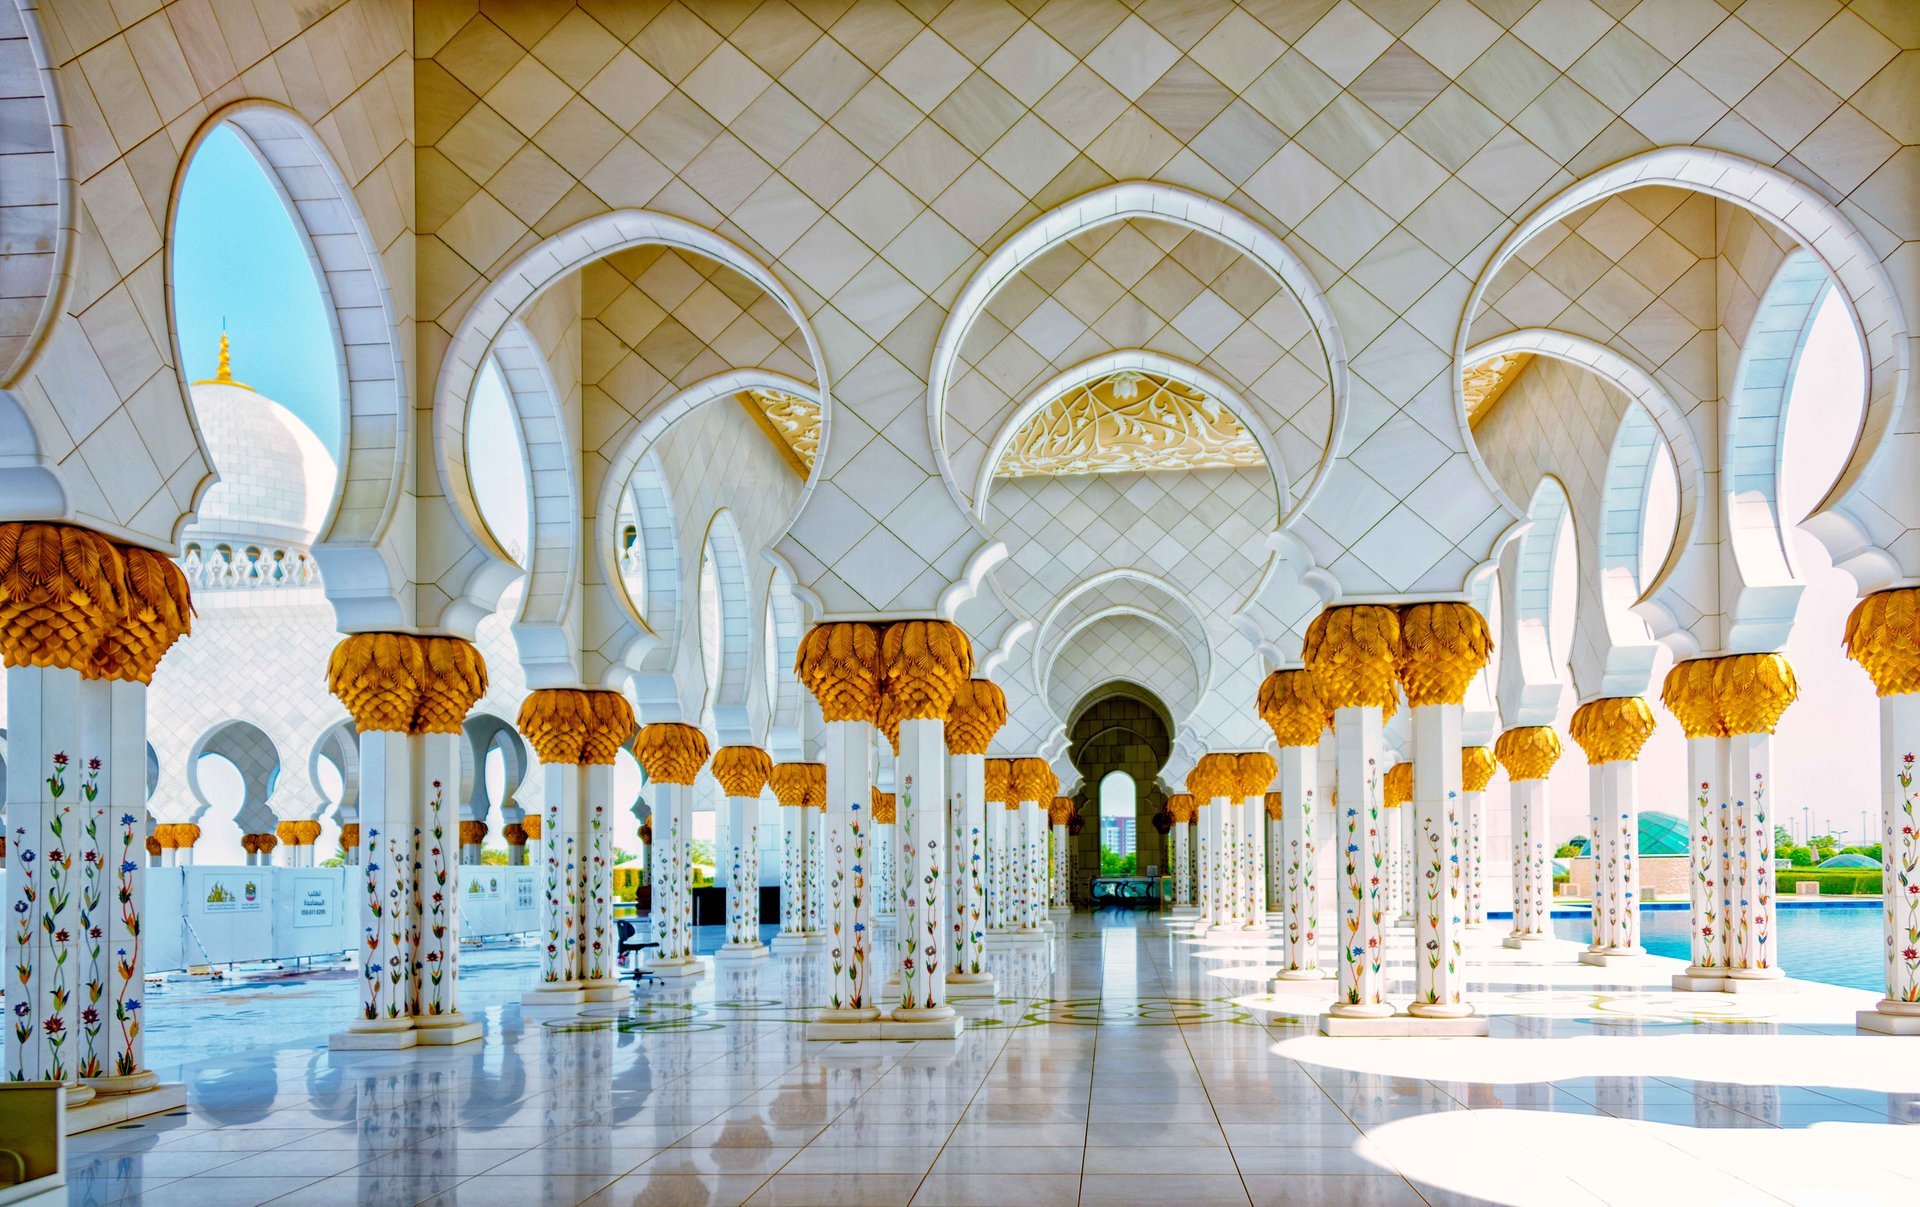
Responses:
[815,869]
[743,872]
[968,792]
[561,796]
[998,883]
[1299,856]
[1409,864]
[1033,827]
[45,813]
[924,924]
[1276,867]
[386,882]
[1616,912]
[1358,752]
[1706,851]
[849,758]
[886,838]
[1532,875]
[673,874]
[1182,863]
[1899,1011]
[1473,814]
[1061,854]
[793,869]
[1440,901]
[436,878]
[1753,949]
[122,851]
[1253,861]
[1206,833]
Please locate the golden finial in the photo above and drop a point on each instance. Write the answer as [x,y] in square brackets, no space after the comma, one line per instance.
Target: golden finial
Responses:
[223,374]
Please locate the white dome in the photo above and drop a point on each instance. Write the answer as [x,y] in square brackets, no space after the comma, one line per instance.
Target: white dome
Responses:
[276,478]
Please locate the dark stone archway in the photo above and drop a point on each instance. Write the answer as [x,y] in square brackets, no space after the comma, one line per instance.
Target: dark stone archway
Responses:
[1119,726]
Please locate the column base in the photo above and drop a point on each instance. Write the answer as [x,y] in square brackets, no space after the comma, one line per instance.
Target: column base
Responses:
[1394,1026]
[1001,940]
[563,993]
[1755,980]
[607,990]
[888,1028]
[1183,911]
[806,940]
[741,953]
[1294,976]
[1524,942]
[1613,956]
[1060,913]
[444,1030]
[1702,981]
[374,1035]
[971,985]
[1884,1021]
[110,1108]
[677,968]
[132,1083]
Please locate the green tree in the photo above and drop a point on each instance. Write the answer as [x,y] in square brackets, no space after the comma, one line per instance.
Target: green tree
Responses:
[1568,850]
[1113,863]
[1802,857]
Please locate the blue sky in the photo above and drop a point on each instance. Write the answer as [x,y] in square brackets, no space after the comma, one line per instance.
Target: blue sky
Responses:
[239,261]
[237,258]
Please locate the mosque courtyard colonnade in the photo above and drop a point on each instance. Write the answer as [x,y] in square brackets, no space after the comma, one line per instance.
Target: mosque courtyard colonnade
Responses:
[825,496]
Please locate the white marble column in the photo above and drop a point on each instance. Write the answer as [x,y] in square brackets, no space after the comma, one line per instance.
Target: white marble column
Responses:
[743,773]
[1300,859]
[1407,856]
[967,791]
[1061,878]
[886,843]
[1753,947]
[924,923]
[117,961]
[1206,839]
[1359,750]
[794,786]
[1000,884]
[1033,825]
[1528,753]
[1477,765]
[385,893]
[850,838]
[1182,836]
[672,754]
[562,816]
[47,810]
[1439,907]
[1898,1013]
[1707,843]
[1612,731]
[1276,860]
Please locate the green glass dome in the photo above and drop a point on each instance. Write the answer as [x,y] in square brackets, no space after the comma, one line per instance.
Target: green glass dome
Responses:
[1851,861]
[1662,834]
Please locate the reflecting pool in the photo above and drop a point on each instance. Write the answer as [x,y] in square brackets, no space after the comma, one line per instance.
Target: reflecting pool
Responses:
[1835,942]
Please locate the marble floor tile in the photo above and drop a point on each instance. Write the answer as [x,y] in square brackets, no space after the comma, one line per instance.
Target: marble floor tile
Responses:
[1114,1069]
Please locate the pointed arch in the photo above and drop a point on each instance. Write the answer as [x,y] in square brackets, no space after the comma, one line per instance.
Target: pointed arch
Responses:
[1118,203]
[1845,520]
[554,258]
[1137,360]
[366,574]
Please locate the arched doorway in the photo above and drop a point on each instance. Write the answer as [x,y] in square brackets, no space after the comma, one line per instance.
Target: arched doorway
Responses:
[1121,737]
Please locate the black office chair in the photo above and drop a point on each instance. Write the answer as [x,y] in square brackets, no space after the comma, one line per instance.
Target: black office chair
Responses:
[629,942]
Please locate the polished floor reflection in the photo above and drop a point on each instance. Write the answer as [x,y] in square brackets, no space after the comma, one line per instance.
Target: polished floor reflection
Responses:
[1124,1063]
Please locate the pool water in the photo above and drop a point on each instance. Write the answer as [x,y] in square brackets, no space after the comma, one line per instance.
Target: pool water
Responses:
[1835,942]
